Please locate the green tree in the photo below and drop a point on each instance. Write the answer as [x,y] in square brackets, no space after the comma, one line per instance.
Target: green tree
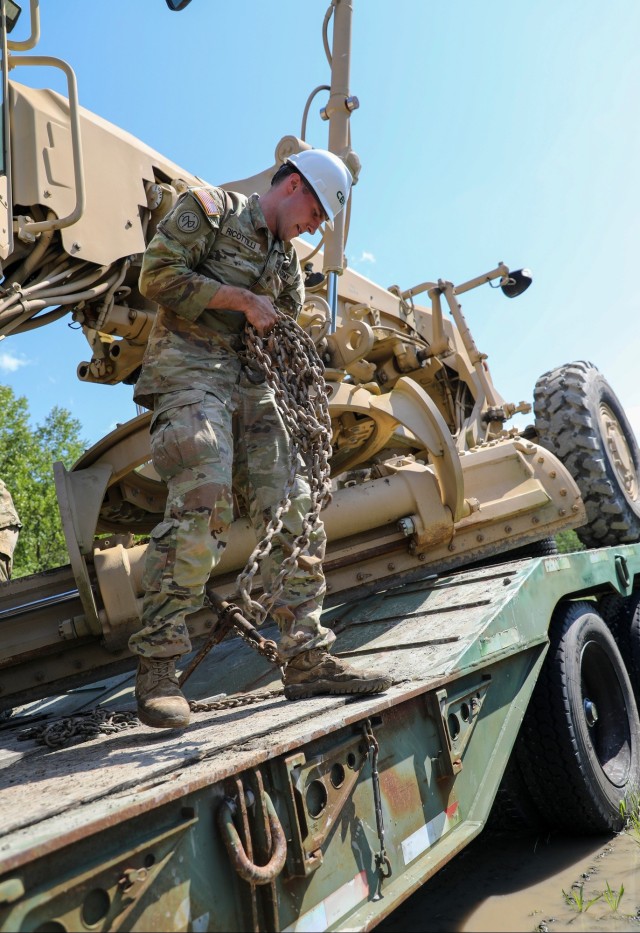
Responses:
[568,541]
[27,456]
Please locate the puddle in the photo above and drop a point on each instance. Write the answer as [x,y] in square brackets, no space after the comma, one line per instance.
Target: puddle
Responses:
[512,884]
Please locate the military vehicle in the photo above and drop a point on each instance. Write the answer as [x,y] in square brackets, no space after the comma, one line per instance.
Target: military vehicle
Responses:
[515,668]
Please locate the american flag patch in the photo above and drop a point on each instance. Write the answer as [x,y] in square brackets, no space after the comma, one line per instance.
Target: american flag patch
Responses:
[210,207]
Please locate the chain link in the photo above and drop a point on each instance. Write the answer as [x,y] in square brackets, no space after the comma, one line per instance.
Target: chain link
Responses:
[293,369]
[383,863]
[81,727]
[265,646]
[232,702]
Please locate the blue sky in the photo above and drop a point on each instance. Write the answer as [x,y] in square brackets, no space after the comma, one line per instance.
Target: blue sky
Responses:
[487,131]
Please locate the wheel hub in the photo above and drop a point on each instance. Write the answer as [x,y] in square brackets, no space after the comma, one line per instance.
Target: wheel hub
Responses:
[590,712]
[619,452]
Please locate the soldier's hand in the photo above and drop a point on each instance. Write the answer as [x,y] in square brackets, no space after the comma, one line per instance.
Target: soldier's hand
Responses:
[261,314]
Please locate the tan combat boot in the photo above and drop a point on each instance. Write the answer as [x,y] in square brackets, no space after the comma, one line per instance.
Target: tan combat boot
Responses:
[160,702]
[316,672]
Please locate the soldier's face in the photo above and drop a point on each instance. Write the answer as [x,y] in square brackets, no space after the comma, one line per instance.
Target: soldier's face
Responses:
[299,210]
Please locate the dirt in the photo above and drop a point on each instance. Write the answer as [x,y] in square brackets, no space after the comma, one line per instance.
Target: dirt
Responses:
[507,883]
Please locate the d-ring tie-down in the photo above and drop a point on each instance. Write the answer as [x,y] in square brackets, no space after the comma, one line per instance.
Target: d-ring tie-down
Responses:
[248,871]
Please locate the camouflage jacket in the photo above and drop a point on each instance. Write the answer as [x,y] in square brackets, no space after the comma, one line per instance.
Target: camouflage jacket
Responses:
[9,521]
[210,238]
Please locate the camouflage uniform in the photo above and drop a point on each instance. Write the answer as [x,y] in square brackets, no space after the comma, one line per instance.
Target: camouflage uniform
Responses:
[10,526]
[215,431]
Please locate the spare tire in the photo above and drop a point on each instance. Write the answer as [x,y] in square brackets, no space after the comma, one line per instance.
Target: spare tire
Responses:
[579,418]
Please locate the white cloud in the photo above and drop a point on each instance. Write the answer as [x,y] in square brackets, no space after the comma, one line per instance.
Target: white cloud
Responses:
[363,258]
[10,363]
[367,257]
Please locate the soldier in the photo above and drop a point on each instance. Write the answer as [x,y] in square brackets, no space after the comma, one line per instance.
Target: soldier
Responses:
[217,261]
[10,526]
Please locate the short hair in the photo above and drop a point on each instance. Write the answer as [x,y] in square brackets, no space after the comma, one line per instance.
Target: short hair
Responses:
[286,169]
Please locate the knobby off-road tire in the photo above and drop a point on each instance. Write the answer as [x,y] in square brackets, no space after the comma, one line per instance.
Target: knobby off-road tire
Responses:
[579,746]
[579,418]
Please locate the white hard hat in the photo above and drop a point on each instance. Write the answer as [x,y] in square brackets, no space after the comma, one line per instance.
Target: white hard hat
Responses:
[327,176]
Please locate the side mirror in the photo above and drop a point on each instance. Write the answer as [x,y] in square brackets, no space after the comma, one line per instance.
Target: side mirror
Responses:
[516,282]
[11,11]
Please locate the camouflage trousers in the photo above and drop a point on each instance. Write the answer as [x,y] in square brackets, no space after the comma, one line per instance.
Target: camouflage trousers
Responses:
[8,541]
[206,447]
[5,568]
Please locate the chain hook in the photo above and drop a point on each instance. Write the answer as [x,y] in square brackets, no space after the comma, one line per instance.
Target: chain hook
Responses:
[383,864]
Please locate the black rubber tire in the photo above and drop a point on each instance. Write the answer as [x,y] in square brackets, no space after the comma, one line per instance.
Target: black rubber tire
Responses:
[578,771]
[622,615]
[547,547]
[514,810]
[579,418]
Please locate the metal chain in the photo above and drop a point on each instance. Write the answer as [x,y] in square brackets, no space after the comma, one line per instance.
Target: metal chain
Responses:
[382,859]
[232,702]
[293,369]
[264,646]
[83,727]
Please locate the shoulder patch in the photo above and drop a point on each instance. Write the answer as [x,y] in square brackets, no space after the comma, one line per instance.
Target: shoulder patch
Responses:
[206,199]
[188,222]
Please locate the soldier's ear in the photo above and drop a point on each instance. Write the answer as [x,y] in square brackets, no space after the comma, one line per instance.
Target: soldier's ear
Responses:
[294,182]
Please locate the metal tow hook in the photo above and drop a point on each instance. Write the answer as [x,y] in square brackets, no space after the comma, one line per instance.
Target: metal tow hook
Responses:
[248,871]
[383,864]
[229,616]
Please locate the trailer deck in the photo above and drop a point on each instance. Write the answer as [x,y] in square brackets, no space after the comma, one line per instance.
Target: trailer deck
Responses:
[464,651]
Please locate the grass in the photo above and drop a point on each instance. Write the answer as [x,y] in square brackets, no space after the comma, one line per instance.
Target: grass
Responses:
[612,897]
[630,812]
[575,898]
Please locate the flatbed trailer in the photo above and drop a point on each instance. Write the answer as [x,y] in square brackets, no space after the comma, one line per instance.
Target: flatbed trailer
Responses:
[320,814]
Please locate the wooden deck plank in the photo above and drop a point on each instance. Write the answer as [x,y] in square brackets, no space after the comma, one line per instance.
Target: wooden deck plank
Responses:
[396,632]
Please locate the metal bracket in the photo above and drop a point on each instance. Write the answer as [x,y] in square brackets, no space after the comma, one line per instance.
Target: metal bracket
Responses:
[455,717]
[317,790]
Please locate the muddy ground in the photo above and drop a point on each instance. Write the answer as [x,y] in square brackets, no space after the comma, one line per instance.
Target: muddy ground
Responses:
[515,883]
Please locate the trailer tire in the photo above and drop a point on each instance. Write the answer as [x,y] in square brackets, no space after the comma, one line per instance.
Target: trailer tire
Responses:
[514,810]
[579,418]
[579,746]
[622,615]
